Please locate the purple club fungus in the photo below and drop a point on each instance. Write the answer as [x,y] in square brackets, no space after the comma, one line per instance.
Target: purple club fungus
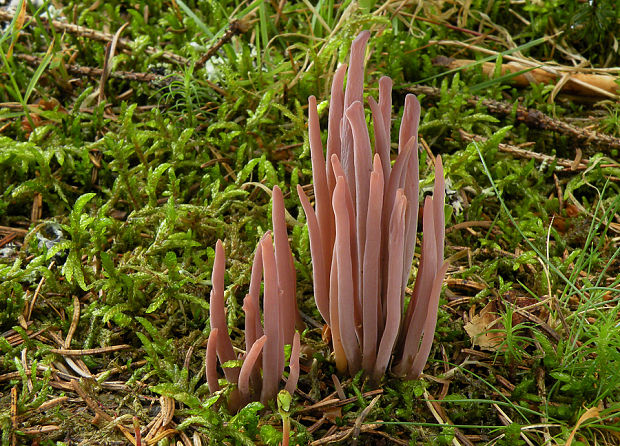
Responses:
[363,230]
[259,376]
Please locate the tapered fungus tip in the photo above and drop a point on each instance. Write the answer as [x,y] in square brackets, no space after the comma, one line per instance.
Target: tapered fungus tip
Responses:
[293,376]
[356,108]
[219,248]
[412,100]
[267,242]
[362,38]
[386,82]
[376,162]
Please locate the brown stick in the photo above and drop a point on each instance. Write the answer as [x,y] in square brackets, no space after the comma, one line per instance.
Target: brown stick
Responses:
[532,118]
[95,72]
[82,31]
[346,434]
[235,27]
[89,351]
[38,430]
[13,412]
[336,402]
[7,239]
[522,153]
[18,231]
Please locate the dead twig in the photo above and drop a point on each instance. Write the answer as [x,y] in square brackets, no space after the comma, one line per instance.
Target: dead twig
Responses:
[97,73]
[121,368]
[43,407]
[19,232]
[40,429]
[89,351]
[336,402]
[93,72]
[340,436]
[235,27]
[13,415]
[530,117]
[523,153]
[162,435]
[82,31]
[468,224]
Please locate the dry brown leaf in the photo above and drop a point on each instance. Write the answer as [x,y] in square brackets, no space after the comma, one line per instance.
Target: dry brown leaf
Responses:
[333,413]
[479,325]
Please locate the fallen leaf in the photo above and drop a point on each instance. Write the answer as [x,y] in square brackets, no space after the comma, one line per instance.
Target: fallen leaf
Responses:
[479,325]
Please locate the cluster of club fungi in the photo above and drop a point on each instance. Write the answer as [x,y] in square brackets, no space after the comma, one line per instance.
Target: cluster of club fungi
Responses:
[362,232]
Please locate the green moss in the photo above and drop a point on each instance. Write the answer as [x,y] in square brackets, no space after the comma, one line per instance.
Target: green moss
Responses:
[143,180]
